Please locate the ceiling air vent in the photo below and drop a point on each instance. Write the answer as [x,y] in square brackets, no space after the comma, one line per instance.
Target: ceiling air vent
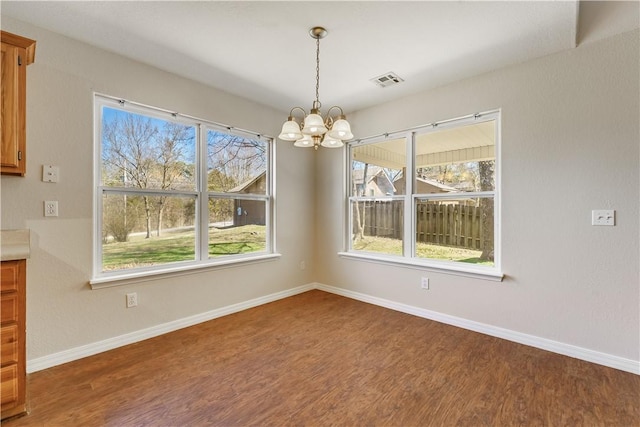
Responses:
[387,79]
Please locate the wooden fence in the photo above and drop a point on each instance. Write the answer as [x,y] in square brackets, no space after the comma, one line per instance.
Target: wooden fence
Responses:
[381,219]
[440,223]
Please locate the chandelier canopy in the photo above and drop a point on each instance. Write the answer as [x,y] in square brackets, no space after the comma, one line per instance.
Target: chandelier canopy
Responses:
[315,130]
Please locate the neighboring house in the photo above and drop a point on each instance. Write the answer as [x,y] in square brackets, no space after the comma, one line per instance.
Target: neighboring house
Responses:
[430,186]
[250,211]
[378,183]
[424,186]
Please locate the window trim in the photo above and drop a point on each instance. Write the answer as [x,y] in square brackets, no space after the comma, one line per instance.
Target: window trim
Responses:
[431,265]
[174,271]
[99,278]
[408,258]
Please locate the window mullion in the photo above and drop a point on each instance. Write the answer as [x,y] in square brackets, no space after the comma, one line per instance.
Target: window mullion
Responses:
[455,196]
[202,204]
[348,232]
[497,205]
[409,216]
[271,188]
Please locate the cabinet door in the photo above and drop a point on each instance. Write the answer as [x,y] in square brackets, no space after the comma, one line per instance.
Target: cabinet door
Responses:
[12,337]
[12,125]
[9,390]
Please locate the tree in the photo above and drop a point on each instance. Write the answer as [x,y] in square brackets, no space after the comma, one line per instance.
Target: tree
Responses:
[170,166]
[360,216]
[461,175]
[233,160]
[470,176]
[220,209]
[486,171]
[117,223]
[138,153]
[127,149]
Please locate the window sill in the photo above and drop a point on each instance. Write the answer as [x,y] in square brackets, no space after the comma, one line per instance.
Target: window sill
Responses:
[475,272]
[144,276]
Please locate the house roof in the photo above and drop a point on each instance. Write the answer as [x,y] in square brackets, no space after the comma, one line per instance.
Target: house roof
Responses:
[434,183]
[241,187]
[372,172]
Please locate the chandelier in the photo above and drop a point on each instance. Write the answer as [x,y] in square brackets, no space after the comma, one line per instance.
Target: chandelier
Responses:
[314,130]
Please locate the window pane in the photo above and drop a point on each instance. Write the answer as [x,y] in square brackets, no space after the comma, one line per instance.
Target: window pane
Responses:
[141,231]
[236,164]
[455,230]
[378,226]
[460,159]
[376,169]
[144,152]
[236,226]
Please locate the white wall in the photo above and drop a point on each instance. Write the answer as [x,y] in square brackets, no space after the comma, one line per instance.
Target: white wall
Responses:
[63,313]
[570,144]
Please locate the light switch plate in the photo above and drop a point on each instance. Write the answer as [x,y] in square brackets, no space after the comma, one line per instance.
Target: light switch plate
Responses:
[603,217]
[50,173]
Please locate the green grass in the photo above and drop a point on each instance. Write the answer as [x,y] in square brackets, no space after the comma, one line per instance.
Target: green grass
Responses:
[180,246]
[424,250]
[238,240]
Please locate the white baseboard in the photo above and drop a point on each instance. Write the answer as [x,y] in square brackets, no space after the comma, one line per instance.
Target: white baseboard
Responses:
[130,338]
[600,358]
[76,353]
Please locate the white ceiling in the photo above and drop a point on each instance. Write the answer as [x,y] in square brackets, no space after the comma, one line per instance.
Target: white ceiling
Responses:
[261,49]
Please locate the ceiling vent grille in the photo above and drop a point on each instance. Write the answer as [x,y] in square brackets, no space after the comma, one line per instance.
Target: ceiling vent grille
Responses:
[387,79]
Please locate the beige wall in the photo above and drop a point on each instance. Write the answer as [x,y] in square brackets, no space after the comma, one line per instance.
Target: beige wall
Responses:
[62,311]
[570,144]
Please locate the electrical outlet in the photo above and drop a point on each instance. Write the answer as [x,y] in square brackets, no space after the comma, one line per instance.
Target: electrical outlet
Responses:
[50,208]
[132,299]
[424,283]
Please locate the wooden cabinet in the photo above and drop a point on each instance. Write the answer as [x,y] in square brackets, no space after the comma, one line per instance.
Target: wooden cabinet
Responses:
[12,337]
[17,53]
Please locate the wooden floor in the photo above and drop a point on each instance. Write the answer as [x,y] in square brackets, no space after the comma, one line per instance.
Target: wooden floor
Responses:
[318,359]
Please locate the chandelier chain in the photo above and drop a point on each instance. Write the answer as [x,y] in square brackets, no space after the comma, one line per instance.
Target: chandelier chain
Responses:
[318,71]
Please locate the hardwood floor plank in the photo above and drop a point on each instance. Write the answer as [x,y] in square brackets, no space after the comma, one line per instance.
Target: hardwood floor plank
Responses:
[318,359]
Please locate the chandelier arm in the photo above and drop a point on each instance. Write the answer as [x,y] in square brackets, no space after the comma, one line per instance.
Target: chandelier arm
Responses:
[339,108]
[304,113]
[329,120]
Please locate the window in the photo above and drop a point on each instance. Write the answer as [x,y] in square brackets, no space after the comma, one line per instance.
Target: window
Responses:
[174,192]
[443,212]
[377,200]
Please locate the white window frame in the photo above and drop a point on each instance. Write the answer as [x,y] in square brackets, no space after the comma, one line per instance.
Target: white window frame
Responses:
[200,193]
[410,199]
